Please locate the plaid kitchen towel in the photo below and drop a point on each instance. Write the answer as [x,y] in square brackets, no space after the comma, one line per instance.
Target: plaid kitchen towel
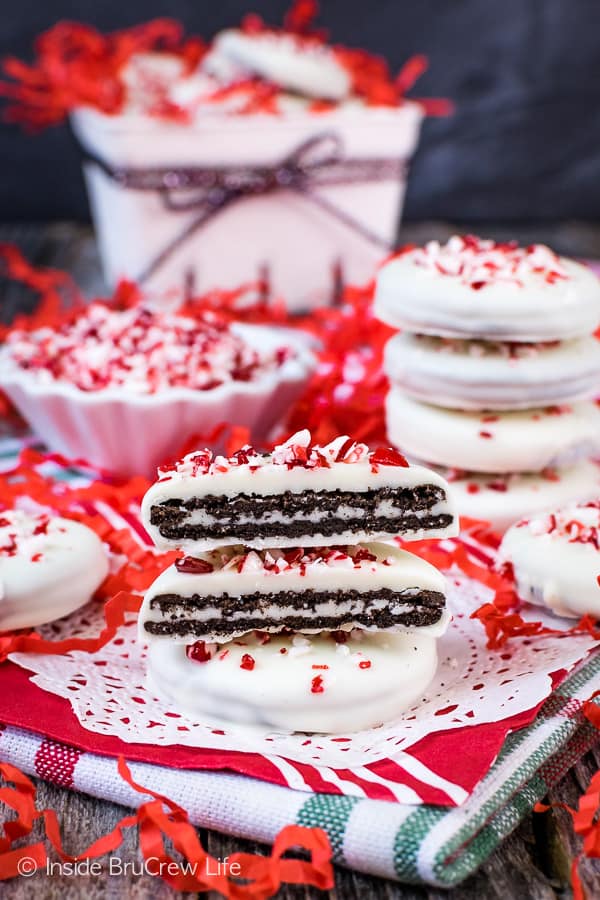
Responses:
[426,844]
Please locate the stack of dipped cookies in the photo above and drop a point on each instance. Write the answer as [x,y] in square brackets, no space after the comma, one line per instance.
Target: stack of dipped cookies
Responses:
[493,372]
[288,611]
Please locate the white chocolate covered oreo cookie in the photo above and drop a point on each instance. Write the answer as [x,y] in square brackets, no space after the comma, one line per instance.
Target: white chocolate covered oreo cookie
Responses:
[297,682]
[49,567]
[471,288]
[503,500]
[556,559]
[521,441]
[229,592]
[305,67]
[478,374]
[300,495]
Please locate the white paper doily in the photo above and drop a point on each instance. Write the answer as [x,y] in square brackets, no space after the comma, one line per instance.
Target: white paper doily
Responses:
[108,693]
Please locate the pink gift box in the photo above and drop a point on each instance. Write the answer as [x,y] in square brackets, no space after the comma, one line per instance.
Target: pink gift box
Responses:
[304,200]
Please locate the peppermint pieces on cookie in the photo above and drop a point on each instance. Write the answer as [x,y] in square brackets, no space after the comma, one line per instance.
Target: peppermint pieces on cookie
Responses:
[474,288]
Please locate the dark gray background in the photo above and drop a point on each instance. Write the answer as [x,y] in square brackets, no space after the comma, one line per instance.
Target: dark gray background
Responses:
[523,145]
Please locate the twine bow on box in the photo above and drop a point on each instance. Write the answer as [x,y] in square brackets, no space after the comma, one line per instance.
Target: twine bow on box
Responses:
[315,163]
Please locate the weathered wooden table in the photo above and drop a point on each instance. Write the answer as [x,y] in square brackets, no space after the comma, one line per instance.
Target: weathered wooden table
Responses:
[532,864]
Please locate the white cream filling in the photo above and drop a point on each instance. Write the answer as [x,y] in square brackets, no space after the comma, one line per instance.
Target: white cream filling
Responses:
[276,612]
[385,508]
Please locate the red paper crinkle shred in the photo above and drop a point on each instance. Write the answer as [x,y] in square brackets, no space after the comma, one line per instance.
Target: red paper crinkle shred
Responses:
[157,819]
[76,66]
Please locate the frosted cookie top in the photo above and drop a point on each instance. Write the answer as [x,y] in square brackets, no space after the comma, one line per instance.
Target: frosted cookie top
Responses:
[30,535]
[297,459]
[555,558]
[144,350]
[478,263]
[474,288]
[48,567]
[577,524]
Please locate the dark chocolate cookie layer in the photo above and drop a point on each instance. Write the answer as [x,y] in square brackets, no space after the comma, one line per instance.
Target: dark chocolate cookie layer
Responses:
[427,609]
[412,505]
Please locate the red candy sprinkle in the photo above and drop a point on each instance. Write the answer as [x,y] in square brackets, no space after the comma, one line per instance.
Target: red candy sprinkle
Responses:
[248,662]
[364,555]
[198,652]
[42,527]
[316,685]
[364,664]
[191,565]
[387,456]
[485,434]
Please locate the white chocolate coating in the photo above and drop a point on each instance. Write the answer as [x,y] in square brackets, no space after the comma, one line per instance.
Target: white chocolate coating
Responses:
[522,441]
[503,500]
[474,375]
[237,573]
[556,559]
[413,294]
[48,574]
[273,475]
[305,68]
[280,691]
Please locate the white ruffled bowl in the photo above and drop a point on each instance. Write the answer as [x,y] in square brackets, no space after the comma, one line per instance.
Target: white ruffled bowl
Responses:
[131,434]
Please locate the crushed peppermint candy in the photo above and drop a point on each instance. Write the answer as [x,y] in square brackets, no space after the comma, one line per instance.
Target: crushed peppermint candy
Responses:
[28,534]
[142,349]
[578,524]
[479,263]
[200,651]
[275,561]
[316,685]
[296,452]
